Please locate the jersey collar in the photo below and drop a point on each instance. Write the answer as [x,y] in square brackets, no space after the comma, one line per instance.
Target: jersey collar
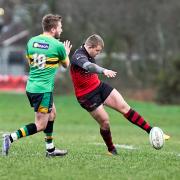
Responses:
[85,51]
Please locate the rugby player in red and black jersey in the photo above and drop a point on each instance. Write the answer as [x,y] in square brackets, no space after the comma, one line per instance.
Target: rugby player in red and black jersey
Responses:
[92,94]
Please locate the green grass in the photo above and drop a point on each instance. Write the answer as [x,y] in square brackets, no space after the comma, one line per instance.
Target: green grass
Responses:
[79,133]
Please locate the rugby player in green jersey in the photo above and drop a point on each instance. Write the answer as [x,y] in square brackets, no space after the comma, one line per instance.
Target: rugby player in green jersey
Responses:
[45,53]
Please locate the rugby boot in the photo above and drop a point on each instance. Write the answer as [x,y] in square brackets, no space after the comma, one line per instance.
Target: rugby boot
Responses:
[113,152]
[166,137]
[56,152]
[6,144]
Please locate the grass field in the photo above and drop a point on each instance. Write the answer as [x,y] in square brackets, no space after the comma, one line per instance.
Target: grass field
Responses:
[87,159]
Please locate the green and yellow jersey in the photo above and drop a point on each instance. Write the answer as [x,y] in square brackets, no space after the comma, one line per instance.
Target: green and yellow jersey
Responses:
[45,54]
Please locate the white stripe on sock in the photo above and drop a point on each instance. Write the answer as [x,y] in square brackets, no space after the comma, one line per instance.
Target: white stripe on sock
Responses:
[49,145]
[14,136]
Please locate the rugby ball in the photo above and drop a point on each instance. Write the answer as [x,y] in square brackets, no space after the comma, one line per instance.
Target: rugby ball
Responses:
[156,138]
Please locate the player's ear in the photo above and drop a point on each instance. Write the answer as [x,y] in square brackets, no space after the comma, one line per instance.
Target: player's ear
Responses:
[53,30]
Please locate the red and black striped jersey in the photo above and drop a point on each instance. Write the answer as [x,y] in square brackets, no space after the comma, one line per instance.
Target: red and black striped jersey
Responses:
[84,81]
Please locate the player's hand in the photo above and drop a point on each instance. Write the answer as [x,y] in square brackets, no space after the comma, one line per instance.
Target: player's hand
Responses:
[68,46]
[109,73]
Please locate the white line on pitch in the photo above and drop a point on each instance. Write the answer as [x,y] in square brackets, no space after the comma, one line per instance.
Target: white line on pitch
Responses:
[124,146]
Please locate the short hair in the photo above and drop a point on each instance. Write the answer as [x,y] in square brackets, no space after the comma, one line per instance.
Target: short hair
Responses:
[94,40]
[50,21]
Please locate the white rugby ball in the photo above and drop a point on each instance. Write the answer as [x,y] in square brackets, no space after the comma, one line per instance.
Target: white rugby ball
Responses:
[156,138]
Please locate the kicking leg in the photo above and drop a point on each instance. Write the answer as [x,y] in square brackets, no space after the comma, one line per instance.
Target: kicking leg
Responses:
[116,101]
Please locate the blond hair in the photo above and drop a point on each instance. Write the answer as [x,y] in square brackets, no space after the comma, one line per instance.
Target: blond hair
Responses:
[94,40]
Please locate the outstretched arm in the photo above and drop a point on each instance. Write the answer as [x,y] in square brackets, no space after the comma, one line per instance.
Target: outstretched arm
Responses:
[94,68]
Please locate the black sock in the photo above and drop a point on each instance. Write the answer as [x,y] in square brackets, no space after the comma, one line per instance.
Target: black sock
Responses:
[106,135]
[49,131]
[27,130]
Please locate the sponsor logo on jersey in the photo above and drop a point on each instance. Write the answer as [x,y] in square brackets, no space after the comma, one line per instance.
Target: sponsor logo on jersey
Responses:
[40,45]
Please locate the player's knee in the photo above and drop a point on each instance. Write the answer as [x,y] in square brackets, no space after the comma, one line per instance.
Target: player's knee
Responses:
[41,122]
[105,125]
[124,108]
[53,116]
[41,126]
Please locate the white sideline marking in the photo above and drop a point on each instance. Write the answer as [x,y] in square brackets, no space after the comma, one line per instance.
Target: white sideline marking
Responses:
[124,146]
[131,147]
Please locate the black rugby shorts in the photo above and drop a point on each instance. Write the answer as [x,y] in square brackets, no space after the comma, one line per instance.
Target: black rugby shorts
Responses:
[96,97]
[41,102]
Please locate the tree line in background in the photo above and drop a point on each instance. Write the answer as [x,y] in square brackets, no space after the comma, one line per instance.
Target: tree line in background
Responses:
[142,38]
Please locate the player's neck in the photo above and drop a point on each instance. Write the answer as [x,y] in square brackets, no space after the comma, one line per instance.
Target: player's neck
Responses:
[48,34]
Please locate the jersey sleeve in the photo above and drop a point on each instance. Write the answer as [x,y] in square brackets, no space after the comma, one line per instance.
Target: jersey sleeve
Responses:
[62,52]
[27,54]
[79,60]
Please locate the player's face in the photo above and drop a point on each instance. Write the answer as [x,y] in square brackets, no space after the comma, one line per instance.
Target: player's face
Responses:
[93,52]
[58,30]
